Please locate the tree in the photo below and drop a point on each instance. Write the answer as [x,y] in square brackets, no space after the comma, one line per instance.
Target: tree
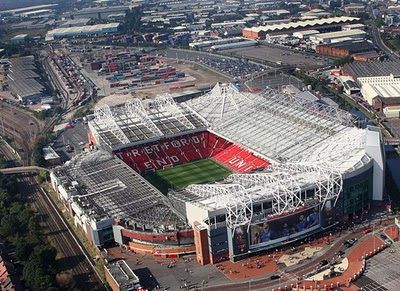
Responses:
[3,163]
[22,249]
[8,226]
[379,20]
[342,61]
[37,154]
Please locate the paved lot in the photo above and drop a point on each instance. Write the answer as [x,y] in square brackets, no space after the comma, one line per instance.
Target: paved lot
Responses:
[230,66]
[281,56]
[275,82]
[382,271]
[153,274]
[393,125]
[76,137]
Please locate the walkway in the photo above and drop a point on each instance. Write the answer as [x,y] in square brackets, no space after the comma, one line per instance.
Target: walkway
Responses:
[22,170]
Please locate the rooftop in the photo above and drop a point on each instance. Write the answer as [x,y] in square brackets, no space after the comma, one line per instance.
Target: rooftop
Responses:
[264,123]
[49,154]
[22,78]
[341,33]
[353,46]
[305,24]
[371,69]
[123,275]
[384,91]
[108,188]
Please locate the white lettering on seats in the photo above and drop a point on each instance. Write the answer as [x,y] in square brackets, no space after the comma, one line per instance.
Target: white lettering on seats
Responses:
[195,139]
[161,162]
[147,165]
[135,153]
[155,147]
[119,155]
[239,163]
[147,149]
[175,159]
[175,144]
[184,142]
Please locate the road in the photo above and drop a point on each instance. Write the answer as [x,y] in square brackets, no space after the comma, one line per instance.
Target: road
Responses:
[289,277]
[376,37]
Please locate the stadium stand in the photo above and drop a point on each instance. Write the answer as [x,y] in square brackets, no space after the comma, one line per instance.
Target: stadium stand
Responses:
[187,148]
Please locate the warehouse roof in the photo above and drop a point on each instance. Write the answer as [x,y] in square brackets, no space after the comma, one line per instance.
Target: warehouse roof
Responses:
[16,75]
[354,25]
[307,32]
[22,77]
[353,46]
[299,24]
[37,11]
[29,8]
[385,91]
[390,100]
[86,29]
[369,69]
[341,33]
[26,88]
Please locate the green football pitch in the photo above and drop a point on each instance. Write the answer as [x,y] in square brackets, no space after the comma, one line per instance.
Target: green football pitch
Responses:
[180,176]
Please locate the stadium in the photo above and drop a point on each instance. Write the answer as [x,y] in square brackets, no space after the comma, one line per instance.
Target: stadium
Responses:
[225,175]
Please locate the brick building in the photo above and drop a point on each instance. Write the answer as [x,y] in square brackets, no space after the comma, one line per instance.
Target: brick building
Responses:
[360,50]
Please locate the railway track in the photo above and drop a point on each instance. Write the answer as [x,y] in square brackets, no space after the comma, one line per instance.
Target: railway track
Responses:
[22,127]
[74,258]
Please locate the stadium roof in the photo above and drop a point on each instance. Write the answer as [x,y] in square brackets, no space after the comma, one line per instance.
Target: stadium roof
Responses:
[119,126]
[108,188]
[302,24]
[308,144]
[272,124]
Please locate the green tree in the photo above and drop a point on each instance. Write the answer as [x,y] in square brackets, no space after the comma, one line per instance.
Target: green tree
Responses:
[379,20]
[342,61]
[37,154]
[22,249]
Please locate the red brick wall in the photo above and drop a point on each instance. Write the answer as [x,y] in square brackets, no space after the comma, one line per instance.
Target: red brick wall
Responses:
[201,242]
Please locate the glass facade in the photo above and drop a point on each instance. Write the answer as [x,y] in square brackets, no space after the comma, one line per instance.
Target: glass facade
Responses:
[357,196]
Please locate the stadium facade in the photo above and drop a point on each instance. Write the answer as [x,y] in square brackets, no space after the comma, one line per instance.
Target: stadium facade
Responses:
[299,167]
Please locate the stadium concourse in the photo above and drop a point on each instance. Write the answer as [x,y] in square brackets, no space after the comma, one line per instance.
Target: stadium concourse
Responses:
[298,168]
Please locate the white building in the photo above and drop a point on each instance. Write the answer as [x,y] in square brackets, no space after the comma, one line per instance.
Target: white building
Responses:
[371,91]
[305,34]
[331,36]
[86,30]
[353,26]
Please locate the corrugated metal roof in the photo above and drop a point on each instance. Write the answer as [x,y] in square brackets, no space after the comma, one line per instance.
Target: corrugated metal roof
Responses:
[293,25]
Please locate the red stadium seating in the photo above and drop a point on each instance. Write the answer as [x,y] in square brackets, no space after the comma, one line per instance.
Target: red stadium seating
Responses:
[183,149]
[239,159]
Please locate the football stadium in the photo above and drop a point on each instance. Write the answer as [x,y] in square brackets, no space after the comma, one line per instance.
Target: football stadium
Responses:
[225,175]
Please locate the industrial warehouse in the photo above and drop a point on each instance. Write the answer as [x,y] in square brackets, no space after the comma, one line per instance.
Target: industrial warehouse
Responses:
[323,25]
[227,179]
[85,30]
[22,79]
